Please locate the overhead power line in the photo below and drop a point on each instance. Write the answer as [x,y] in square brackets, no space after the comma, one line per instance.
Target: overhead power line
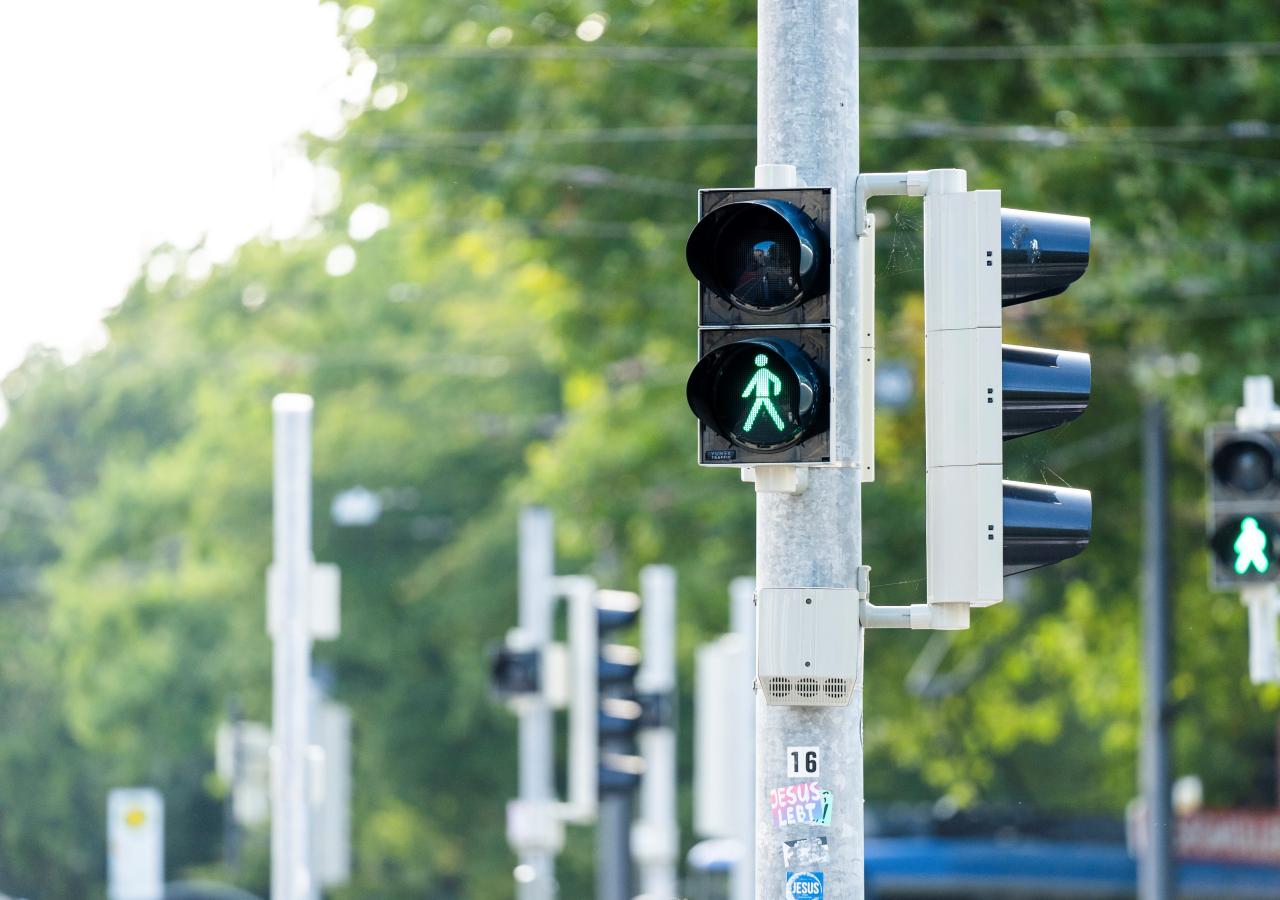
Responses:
[1127,50]
[1023,134]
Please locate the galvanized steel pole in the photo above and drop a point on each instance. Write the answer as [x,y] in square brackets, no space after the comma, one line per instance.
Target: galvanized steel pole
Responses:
[290,626]
[808,118]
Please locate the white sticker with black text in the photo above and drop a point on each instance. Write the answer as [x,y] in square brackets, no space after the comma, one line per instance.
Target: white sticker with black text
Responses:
[802,762]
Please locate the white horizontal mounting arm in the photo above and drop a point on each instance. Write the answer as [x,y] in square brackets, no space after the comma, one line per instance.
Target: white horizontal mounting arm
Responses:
[917,616]
[885,184]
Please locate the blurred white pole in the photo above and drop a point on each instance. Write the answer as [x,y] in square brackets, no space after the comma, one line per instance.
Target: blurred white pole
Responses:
[536,839]
[742,623]
[656,834]
[290,626]
[135,844]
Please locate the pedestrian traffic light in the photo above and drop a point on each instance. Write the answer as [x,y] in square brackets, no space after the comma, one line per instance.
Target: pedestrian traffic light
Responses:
[980,393]
[760,389]
[1244,505]
[620,713]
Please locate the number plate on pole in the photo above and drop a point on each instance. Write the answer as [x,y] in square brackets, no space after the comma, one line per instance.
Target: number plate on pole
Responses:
[803,762]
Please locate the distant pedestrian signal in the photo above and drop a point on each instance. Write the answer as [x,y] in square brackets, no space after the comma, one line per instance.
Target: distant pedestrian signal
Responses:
[1244,505]
[1251,548]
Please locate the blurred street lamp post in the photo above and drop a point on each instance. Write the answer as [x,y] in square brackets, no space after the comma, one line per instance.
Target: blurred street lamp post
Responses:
[290,627]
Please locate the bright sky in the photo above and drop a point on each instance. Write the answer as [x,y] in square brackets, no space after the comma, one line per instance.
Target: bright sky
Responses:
[130,123]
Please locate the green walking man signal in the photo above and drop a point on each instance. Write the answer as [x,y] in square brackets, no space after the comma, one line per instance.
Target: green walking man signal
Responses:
[1251,547]
[766,385]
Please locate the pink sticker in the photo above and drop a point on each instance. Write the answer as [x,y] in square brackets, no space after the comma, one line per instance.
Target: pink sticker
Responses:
[796,804]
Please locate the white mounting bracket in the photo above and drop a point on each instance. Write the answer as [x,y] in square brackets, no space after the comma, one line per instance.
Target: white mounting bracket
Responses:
[917,616]
[580,592]
[1263,603]
[323,601]
[535,826]
[1259,409]
[867,346]
[885,184]
[777,479]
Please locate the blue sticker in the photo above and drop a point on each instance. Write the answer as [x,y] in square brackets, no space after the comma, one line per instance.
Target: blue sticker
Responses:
[804,886]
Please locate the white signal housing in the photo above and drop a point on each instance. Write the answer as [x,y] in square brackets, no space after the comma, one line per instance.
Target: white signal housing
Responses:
[964,508]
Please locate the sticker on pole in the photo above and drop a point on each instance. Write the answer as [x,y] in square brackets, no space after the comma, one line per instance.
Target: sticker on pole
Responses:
[806,853]
[802,762]
[804,886]
[795,804]
[826,800]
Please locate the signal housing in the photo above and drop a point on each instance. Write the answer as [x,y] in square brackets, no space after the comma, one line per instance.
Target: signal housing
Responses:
[760,388]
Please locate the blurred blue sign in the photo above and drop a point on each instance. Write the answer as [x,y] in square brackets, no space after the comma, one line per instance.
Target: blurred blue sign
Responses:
[895,385]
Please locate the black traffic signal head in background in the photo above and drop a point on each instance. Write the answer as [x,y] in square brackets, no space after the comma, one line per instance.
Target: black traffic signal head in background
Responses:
[513,673]
[619,773]
[616,609]
[1041,255]
[618,663]
[619,717]
[619,714]
[1244,505]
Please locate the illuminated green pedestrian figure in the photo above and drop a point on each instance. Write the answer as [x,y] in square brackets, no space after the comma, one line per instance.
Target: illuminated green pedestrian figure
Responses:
[1251,547]
[766,385]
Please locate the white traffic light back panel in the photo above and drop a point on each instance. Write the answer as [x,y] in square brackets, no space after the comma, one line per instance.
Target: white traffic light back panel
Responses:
[963,398]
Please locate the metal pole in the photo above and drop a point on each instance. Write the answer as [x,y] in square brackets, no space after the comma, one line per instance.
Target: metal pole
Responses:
[230,827]
[613,853]
[808,118]
[1155,865]
[291,662]
[656,835]
[1263,605]
[535,877]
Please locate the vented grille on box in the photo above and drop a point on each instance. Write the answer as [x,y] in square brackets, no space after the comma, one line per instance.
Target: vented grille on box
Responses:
[807,691]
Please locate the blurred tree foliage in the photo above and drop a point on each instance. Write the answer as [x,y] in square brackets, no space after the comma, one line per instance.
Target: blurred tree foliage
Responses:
[521,332]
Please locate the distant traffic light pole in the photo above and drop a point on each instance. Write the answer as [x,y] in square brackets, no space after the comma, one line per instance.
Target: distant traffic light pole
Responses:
[536,834]
[1155,863]
[655,834]
[619,716]
[808,119]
